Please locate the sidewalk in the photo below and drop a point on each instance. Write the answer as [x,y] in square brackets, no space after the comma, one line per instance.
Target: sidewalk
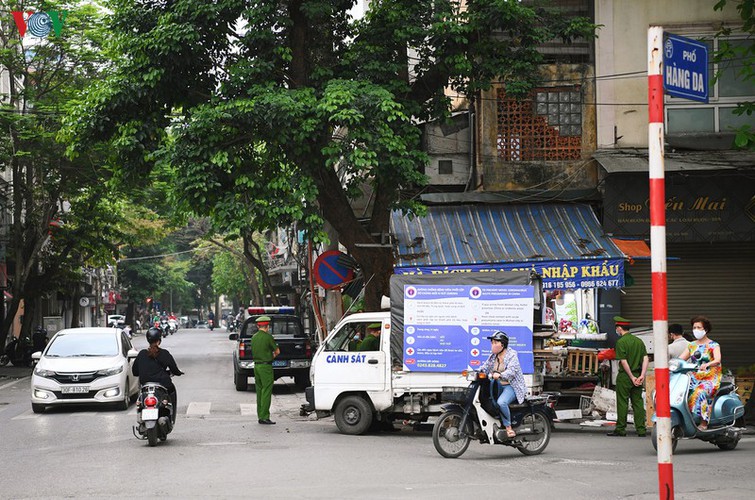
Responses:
[10,371]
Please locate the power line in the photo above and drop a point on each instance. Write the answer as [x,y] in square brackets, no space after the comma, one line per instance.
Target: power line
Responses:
[157,256]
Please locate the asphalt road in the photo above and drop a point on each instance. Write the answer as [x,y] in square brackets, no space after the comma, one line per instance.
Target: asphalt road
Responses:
[218,450]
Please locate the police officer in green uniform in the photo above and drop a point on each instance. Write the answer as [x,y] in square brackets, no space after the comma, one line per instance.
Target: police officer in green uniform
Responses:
[264,350]
[371,340]
[633,363]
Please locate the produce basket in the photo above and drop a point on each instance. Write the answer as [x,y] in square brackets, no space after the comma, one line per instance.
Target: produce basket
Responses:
[458,395]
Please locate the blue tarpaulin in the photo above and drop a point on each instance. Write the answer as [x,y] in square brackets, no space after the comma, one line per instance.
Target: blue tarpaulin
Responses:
[564,243]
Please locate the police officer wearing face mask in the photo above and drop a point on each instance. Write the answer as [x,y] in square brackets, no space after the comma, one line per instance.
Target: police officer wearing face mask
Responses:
[633,363]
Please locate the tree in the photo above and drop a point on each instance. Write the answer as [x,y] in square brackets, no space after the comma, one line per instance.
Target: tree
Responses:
[273,111]
[55,201]
[744,55]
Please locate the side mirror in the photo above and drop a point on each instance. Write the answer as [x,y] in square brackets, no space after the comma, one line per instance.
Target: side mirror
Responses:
[697,355]
[132,353]
[36,356]
[233,336]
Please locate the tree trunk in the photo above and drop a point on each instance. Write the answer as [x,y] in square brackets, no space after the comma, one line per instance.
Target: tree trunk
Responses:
[75,307]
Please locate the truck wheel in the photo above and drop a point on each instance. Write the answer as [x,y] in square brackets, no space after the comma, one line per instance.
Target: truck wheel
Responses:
[241,381]
[353,415]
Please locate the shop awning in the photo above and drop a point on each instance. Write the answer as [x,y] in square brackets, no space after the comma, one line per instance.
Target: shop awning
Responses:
[635,249]
[563,242]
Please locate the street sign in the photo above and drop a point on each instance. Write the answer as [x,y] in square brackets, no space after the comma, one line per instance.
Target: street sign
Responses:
[329,273]
[685,68]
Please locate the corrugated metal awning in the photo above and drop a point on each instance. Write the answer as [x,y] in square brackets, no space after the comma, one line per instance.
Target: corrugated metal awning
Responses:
[487,234]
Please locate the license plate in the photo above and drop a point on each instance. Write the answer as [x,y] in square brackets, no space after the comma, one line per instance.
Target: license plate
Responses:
[74,389]
[280,363]
[299,364]
[150,414]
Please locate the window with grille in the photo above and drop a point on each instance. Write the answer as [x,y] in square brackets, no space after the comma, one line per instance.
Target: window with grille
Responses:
[731,88]
[545,127]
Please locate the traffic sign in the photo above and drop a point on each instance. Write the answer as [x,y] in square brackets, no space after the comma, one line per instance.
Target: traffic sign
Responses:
[685,68]
[329,273]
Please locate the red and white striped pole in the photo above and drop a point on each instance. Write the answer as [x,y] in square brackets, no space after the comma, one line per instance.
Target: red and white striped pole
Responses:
[658,261]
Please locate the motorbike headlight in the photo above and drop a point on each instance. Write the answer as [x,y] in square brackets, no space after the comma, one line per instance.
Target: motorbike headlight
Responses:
[674,364]
[110,371]
[41,372]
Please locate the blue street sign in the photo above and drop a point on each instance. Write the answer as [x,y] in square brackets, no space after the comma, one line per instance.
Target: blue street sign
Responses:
[685,68]
[329,272]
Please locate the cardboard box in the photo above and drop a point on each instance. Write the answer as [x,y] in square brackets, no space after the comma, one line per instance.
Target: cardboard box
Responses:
[568,414]
[604,399]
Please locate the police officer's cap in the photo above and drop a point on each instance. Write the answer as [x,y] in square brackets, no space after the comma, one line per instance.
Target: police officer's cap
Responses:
[622,321]
[263,320]
[499,336]
[374,326]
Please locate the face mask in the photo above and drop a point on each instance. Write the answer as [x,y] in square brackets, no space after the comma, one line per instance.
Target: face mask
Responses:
[698,334]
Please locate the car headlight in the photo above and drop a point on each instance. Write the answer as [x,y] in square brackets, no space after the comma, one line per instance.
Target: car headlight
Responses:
[111,371]
[41,372]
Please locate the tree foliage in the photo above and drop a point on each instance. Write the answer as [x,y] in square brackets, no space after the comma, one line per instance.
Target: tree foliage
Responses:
[744,55]
[276,111]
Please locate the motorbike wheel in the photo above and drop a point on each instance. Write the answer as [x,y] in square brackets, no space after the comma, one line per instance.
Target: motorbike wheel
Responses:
[727,445]
[353,415]
[674,438]
[448,439]
[543,427]
[4,360]
[152,436]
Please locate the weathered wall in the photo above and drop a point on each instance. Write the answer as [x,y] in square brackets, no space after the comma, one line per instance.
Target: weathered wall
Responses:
[621,59]
[497,174]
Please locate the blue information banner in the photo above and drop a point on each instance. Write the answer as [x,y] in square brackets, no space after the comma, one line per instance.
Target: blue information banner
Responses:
[685,68]
[557,275]
[445,326]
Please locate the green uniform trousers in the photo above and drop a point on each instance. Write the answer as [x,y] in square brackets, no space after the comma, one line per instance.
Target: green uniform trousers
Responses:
[626,390]
[263,386]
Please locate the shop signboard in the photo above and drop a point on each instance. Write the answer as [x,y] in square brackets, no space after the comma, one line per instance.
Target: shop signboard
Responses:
[556,274]
[699,208]
[446,325]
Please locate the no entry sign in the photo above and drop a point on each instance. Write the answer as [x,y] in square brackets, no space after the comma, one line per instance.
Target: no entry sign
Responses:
[329,273]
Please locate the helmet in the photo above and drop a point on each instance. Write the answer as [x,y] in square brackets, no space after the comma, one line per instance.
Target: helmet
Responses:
[153,335]
[500,337]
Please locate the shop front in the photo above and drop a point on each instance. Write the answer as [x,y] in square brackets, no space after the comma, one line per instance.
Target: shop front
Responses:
[564,243]
[710,229]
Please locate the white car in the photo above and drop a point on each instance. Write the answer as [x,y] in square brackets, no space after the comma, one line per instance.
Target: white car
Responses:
[84,366]
[116,320]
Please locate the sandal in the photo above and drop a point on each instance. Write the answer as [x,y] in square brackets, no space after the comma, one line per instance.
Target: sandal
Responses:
[510,433]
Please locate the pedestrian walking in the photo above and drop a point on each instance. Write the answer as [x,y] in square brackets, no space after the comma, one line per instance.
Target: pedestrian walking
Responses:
[633,362]
[264,351]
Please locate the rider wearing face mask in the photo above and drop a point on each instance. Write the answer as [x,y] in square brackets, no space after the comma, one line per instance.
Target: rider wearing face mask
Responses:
[707,379]
[503,368]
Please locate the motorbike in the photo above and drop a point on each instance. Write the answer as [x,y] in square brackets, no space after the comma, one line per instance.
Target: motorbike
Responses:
[154,415]
[211,324]
[231,324]
[165,327]
[727,409]
[471,413]
[173,325]
[18,352]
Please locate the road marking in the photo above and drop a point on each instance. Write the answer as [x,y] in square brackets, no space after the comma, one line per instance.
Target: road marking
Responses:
[11,383]
[197,409]
[247,410]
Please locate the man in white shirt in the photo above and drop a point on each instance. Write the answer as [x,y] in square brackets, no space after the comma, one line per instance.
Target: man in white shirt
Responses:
[678,343]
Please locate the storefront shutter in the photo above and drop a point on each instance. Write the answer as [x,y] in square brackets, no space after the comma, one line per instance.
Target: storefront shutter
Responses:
[716,280]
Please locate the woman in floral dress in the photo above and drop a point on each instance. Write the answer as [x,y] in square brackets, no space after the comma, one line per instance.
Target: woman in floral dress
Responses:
[707,379]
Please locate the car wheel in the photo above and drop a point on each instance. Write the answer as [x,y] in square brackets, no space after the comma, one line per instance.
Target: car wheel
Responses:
[38,408]
[241,381]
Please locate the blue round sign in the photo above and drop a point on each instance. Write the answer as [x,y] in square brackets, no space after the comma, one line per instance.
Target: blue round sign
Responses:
[329,273]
